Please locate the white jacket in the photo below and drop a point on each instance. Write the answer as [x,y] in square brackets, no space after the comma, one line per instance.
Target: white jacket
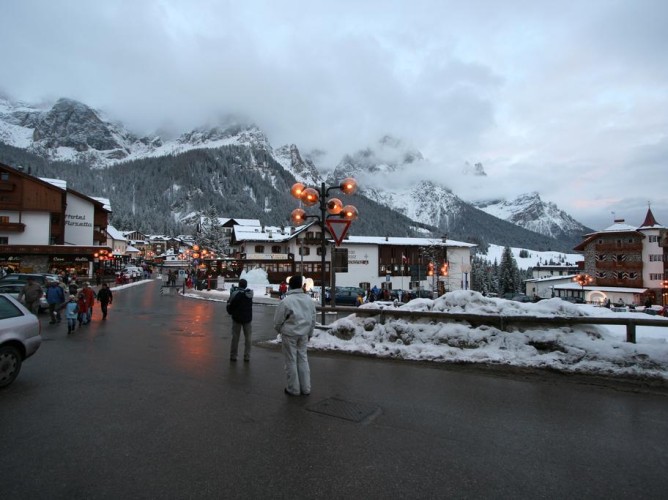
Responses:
[295,314]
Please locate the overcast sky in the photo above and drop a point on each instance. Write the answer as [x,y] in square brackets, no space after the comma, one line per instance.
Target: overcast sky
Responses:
[568,98]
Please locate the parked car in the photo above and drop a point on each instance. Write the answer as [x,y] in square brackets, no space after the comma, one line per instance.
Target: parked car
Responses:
[663,311]
[132,272]
[20,337]
[347,295]
[14,289]
[522,298]
[574,300]
[23,278]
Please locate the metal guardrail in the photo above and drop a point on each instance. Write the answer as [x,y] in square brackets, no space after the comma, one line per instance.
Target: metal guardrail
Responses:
[500,321]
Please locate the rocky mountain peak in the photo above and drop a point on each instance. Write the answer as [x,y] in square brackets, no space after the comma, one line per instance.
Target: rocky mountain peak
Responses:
[301,168]
[72,124]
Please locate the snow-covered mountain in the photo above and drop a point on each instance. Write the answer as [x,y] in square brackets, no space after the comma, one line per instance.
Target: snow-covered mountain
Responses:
[531,212]
[72,132]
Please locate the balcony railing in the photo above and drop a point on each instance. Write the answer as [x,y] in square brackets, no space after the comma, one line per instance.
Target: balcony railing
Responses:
[14,227]
[615,248]
[619,266]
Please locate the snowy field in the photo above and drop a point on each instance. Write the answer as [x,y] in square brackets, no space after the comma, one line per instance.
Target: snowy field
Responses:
[590,349]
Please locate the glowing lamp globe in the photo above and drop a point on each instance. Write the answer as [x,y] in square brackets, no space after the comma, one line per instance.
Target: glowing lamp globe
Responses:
[348,185]
[350,212]
[334,206]
[297,189]
[298,216]
[310,197]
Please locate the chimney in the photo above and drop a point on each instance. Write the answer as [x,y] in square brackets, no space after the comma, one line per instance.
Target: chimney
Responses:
[387,237]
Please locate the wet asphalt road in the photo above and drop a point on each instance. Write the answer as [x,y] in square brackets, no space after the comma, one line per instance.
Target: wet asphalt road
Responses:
[147,405]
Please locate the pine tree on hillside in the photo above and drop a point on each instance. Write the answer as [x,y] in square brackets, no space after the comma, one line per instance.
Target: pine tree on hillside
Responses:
[509,274]
[211,234]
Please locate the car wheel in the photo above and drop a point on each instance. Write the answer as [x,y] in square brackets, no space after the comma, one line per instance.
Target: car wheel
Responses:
[10,364]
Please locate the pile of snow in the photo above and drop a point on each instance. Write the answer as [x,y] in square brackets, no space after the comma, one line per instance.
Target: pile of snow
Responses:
[592,349]
[256,276]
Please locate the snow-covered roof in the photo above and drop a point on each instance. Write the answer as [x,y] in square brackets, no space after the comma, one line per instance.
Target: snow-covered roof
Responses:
[106,204]
[240,222]
[115,233]
[270,233]
[551,278]
[575,286]
[59,183]
[131,249]
[619,226]
[403,241]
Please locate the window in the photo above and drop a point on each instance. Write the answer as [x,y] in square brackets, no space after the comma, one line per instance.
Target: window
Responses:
[276,249]
[4,240]
[655,276]
[304,251]
[4,219]
[259,249]
[8,310]
[320,249]
[653,239]
[4,176]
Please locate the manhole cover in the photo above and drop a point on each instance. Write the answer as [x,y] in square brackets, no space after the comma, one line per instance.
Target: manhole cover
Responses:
[347,410]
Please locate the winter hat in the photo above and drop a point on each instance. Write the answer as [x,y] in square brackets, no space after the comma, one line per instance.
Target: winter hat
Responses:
[295,282]
[243,283]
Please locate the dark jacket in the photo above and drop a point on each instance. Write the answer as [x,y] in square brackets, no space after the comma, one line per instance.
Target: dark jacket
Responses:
[240,305]
[105,296]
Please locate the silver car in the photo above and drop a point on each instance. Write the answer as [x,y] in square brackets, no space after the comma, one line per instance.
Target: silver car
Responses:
[14,289]
[20,337]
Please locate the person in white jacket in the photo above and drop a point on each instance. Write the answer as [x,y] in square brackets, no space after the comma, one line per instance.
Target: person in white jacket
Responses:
[295,320]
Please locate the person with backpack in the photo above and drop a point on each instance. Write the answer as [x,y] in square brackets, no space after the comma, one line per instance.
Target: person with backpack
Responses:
[240,307]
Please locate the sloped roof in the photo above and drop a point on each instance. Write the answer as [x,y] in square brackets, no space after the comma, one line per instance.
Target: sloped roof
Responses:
[650,222]
[115,233]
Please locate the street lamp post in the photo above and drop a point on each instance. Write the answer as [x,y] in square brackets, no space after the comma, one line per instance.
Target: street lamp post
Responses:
[583,279]
[332,207]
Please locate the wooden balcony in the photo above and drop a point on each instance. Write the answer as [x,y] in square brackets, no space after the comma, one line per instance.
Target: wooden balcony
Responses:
[12,227]
[620,283]
[619,266]
[614,248]
[99,236]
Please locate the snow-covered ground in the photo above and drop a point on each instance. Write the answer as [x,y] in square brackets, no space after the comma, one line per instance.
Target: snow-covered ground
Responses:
[533,258]
[591,349]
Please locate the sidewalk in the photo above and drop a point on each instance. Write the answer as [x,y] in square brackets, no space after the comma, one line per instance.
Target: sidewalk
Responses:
[260,295]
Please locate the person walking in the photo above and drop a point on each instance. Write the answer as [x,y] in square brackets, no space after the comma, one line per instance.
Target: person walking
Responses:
[105,297]
[71,313]
[295,321]
[82,309]
[240,307]
[89,297]
[30,294]
[55,297]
